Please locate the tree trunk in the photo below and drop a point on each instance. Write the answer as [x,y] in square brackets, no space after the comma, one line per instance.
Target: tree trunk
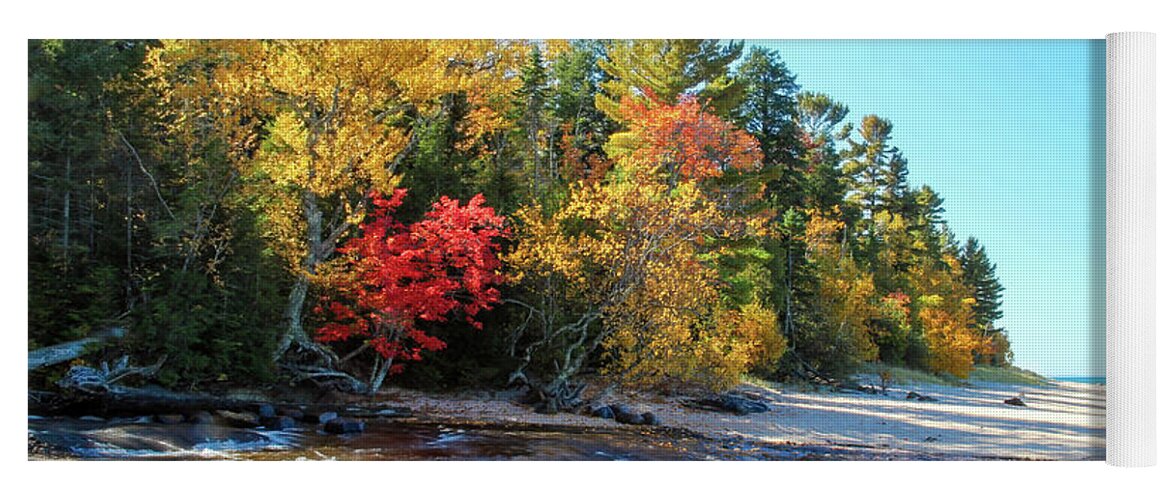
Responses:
[789,295]
[380,371]
[129,240]
[130,400]
[68,199]
[67,351]
[295,332]
[295,335]
[93,203]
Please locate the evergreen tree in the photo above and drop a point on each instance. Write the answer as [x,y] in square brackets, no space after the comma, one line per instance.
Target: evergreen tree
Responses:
[584,129]
[869,169]
[876,175]
[894,195]
[768,112]
[86,196]
[668,68]
[441,164]
[980,276]
[817,116]
[532,114]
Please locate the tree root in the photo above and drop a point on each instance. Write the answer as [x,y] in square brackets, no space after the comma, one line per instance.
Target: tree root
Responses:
[559,395]
[326,378]
[305,349]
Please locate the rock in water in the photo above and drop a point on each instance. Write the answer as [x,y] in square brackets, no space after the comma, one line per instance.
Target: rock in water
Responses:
[266,410]
[239,418]
[344,426]
[1014,402]
[603,411]
[169,419]
[280,422]
[649,418]
[319,417]
[394,412]
[293,413]
[201,417]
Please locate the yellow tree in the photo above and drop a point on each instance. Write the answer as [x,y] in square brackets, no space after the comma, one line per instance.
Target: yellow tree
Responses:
[637,255]
[844,299]
[319,124]
[946,315]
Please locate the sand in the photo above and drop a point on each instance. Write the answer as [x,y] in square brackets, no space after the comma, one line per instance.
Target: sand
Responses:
[1063,420]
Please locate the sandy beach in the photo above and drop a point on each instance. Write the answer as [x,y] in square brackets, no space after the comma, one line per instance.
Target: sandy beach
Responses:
[1062,420]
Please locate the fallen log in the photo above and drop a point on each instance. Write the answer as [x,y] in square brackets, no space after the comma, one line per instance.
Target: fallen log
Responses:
[130,401]
[60,353]
[728,403]
[135,401]
[94,390]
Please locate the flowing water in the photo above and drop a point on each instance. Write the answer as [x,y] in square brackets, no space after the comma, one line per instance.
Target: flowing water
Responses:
[384,439]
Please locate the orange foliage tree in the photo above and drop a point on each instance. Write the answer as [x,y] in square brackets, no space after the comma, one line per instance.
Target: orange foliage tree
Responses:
[635,255]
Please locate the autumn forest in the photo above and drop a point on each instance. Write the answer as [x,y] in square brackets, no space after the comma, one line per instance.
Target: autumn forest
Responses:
[449,214]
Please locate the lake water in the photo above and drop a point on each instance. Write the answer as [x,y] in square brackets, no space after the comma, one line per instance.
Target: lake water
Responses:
[1084,380]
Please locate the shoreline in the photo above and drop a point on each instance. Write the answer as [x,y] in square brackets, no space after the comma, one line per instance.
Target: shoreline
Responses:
[1062,421]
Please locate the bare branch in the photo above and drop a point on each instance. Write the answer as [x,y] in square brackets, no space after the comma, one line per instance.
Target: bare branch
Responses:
[141,166]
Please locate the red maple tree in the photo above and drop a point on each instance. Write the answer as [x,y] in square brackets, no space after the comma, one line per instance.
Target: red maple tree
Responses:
[397,276]
[686,140]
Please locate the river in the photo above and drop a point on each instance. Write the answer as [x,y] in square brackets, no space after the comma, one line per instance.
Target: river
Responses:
[391,439]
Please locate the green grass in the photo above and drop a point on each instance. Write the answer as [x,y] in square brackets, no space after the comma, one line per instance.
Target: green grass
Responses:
[904,376]
[1006,375]
[901,376]
[981,373]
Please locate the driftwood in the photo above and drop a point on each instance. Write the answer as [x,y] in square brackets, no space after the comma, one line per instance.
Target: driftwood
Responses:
[130,401]
[95,390]
[133,401]
[101,380]
[61,353]
[729,403]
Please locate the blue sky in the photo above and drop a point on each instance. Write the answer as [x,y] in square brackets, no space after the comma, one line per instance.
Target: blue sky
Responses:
[1012,134]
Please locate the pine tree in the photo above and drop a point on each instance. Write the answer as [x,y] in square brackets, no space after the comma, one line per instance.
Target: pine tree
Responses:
[876,174]
[768,111]
[894,195]
[980,275]
[438,166]
[817,115]
[89,206]
[531,113]
[583,130]
[869,167]
[668,68]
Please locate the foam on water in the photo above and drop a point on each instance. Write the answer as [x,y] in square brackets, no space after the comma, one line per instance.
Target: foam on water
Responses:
[130,443]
